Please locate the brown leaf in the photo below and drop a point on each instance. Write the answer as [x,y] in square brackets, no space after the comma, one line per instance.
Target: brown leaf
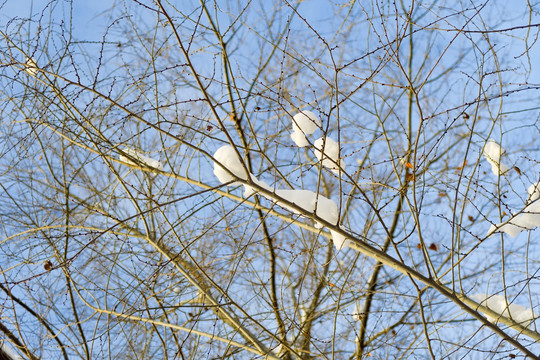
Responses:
[466,116]
[470,218]
[48,265]
[518,170]
[433,247]
[408,165]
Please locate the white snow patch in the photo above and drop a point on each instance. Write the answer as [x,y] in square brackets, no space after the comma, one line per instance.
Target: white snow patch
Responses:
[520,314]
[227,158]
[493,153]
[339,240]
[304,123]
[299,139]
[177,290]
[306,199]
[140,158]
[31,67]
[326,209]
[309,201]
[528,219]
[331,158]
[534,192]
[248,190]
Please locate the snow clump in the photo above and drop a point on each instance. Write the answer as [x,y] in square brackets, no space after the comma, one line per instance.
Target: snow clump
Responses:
[330,159]
[497,303]
[323,207]
[227,159]
[140,158]
[493,153]
[304,123]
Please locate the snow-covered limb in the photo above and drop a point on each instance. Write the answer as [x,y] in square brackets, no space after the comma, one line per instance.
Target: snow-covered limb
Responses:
[31,67]
[331,157]
[248,190]
[304,123]
[528,219]
[322,206]
[520,314]
[493,153]
[140,158]
[227,158]
[311,202]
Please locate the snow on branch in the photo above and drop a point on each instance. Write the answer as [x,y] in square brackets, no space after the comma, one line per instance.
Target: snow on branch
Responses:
[309,201]
[493,153]
[534,192]
[227,159]
[528,219]
[304,123]
[330,149]
[497,303]
[140,159]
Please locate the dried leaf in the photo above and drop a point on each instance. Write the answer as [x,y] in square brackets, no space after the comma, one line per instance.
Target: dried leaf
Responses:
[408,165]
[410,177]
[433,247]
[48,265]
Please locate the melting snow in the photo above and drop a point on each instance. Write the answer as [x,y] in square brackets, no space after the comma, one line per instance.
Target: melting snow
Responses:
[497,303]
[493,153]
[331,158]
[144,160]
